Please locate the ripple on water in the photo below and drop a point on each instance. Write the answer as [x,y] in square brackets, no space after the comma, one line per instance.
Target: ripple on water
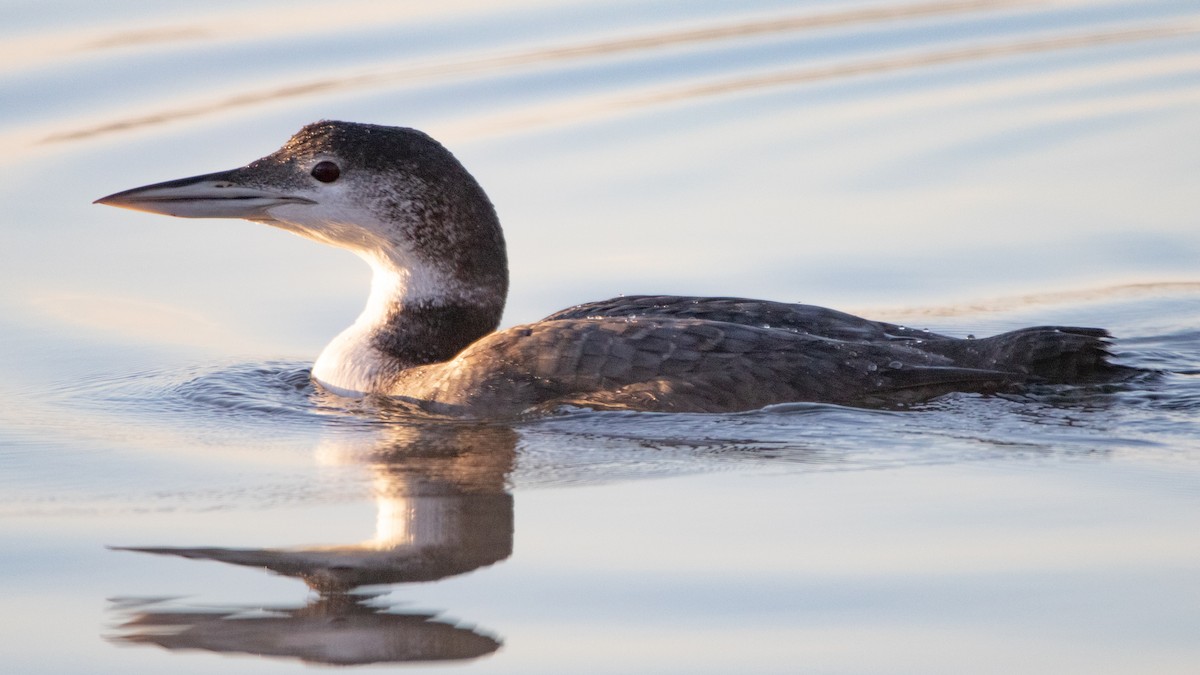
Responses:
[272,392]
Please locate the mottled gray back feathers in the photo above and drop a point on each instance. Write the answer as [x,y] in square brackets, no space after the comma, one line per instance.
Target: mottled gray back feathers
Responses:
[625,353]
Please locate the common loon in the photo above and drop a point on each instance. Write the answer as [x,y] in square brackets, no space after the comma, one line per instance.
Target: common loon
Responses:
[402,202]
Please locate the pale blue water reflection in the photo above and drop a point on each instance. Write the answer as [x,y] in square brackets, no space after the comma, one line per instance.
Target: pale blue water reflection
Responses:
[969,166]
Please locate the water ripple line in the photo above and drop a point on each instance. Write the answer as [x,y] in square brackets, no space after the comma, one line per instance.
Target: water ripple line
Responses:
[578,112]
[546,55]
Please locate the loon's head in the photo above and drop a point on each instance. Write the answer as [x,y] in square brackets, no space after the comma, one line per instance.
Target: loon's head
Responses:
[392,195]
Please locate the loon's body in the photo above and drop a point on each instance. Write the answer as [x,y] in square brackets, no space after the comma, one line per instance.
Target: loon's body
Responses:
[404,204]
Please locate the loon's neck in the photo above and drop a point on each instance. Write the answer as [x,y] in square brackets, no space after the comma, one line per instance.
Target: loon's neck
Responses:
[415,315]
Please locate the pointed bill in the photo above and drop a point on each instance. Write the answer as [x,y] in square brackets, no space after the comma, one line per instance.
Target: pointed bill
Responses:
[225,194]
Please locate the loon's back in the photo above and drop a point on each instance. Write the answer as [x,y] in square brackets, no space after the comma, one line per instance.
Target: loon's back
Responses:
[689,354]
[1055,354]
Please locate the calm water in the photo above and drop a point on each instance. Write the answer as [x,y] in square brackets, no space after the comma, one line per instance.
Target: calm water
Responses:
[966,166]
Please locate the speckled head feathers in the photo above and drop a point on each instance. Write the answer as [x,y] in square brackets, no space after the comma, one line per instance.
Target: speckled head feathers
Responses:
[392,195]
[372,147]
[399,185]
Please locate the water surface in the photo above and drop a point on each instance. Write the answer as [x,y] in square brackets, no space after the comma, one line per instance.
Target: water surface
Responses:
[171,479]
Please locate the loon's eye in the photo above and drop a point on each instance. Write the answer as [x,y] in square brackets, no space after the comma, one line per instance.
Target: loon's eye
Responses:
[326,172]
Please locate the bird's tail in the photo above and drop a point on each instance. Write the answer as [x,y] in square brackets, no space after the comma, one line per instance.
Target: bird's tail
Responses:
[1054,354]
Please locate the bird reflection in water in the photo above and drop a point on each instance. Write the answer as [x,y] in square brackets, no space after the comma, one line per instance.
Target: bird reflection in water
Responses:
[334,629]
[443,510]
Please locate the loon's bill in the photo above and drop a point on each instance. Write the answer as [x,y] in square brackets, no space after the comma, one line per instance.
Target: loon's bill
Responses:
[224,194]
